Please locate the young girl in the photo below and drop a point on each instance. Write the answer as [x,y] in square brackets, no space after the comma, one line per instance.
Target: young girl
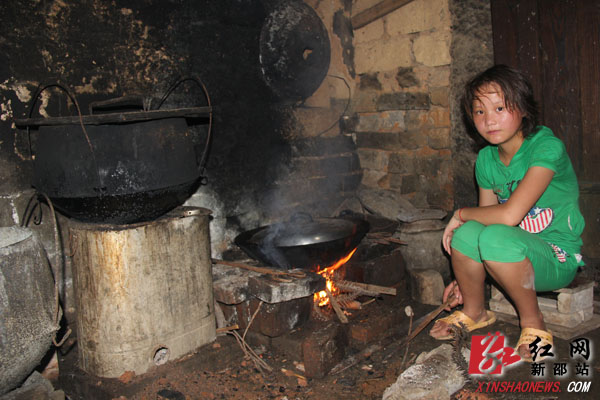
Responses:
[526,231]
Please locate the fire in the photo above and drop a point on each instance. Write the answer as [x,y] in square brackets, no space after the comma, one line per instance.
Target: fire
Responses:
[327,273]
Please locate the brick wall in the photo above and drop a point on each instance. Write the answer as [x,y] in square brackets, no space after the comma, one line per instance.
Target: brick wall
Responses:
[402,120]
[397,69]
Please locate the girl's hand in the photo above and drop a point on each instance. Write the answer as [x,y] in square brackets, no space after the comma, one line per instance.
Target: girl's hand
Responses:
[454,223]
[452,288]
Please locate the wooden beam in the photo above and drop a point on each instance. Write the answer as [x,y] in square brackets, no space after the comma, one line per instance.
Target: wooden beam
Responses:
[377,11]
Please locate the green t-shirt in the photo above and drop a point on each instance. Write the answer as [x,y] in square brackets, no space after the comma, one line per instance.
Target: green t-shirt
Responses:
[555,217]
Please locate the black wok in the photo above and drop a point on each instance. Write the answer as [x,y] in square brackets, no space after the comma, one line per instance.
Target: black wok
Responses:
[303,242]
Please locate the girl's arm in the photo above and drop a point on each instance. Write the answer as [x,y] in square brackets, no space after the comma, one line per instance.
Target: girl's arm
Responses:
[512,212]
[487,197]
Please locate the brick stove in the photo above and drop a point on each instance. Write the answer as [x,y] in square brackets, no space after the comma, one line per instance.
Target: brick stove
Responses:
[279,311]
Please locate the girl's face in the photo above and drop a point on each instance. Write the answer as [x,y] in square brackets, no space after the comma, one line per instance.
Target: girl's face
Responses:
[493,120]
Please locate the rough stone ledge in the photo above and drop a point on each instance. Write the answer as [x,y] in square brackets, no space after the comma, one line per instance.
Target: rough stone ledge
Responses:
[233,285]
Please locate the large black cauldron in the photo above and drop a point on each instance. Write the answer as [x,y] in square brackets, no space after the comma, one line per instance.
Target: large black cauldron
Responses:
[117,167]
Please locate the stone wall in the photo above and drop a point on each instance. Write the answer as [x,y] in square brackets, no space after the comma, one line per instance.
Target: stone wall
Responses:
[402,118]
[406,71]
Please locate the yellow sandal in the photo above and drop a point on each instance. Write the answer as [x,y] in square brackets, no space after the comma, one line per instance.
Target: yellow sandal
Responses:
[528,336]
[459,317]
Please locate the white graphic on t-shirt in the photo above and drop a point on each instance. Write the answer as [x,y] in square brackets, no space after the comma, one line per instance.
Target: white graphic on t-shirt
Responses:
[537,219]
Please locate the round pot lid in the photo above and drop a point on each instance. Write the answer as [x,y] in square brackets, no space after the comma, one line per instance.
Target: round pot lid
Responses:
[294,50]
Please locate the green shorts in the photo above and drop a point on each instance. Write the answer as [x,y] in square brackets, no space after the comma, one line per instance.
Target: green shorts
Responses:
[505,243]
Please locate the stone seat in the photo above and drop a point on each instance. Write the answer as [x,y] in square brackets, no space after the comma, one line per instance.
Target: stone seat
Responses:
[567,307]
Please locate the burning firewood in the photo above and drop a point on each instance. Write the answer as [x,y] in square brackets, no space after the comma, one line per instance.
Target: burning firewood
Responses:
[351,305]
[365,289]
[336,307]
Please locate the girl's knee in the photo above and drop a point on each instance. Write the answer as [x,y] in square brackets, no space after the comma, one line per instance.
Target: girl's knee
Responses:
[496,233]
[469,232]
[501,243]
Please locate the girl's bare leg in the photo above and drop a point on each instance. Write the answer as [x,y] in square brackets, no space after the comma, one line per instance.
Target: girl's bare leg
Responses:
[470,276]
[517,279]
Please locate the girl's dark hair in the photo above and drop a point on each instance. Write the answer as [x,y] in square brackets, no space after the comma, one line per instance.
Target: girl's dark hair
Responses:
[518,94]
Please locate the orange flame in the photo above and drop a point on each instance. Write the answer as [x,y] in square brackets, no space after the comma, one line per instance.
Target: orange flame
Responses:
[327,273]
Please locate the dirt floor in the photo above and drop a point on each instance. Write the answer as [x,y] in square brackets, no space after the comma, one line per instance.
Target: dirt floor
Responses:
[220,370]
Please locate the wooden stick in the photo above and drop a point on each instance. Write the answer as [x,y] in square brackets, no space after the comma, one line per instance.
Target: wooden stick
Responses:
[355,359]
[336,307]
[429,317]
[377,11]
[287,372]
[349,285]
[228,328]
[296,274]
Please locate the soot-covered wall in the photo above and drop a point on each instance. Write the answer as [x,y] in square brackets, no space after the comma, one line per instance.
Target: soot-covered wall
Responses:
[105,49]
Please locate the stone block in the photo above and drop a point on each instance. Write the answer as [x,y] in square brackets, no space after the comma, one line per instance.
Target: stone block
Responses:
[440,96]
[389,121]
[290,343]
[306,167]
[272,289]
[418,16]
[439,138]
[405,77]
[433,49]
[364,101]
[385,270]
[384,203]
[311,121]
[369,81]
[374,159]
[376,327]
[423,248]
[427,286]
[403,101]
[276,319]
[434,76]
[408,183]
[373,178]
[574,299]
[322,146]
[323,349]
[392,141]
[272,319]
[383,55]
[437,117]
[422,214]
[576,305]
[351,181]
[370,32]
[230,284]
[402,162]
